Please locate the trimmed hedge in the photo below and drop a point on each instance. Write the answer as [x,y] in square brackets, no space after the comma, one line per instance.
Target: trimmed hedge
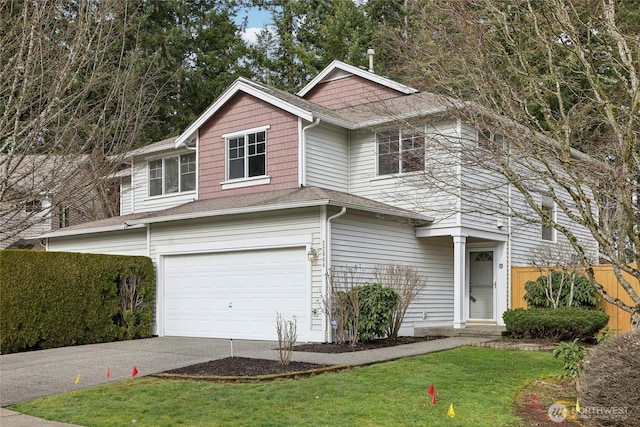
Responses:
[55,299]
[562,323]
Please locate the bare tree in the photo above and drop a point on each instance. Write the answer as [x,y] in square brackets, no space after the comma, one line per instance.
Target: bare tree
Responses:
[407,282]
[72,98]
[287,335]
[560,81]
[342,303]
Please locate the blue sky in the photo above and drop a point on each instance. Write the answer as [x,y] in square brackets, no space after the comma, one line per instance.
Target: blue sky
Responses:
[257,19]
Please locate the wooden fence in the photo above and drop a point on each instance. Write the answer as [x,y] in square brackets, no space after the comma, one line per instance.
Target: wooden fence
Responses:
[620,320]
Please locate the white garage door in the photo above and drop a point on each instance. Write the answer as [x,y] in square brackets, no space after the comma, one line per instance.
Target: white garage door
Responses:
[236,294]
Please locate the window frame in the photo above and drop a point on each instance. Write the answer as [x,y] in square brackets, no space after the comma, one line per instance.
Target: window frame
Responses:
[488,139]
[252,147]
[63,216]
[402,137]
[162,177]
[547,231]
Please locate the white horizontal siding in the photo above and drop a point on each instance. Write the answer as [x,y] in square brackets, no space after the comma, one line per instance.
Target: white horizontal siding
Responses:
[327,160]
[527,235]
[366,242]
[126,242]
[126,196]
[429,193]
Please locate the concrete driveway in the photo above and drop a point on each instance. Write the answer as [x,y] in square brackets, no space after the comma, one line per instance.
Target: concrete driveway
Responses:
[29,375]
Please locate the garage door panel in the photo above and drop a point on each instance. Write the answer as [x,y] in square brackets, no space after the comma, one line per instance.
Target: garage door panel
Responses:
[236,294]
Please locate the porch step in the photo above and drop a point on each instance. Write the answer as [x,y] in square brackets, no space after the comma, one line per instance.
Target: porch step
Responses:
[488,331]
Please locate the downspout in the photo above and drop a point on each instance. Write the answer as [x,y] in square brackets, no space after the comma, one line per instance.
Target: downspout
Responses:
[303,151]
[327,266]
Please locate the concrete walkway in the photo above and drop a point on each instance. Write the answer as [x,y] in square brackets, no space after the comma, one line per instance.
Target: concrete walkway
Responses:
[29,375]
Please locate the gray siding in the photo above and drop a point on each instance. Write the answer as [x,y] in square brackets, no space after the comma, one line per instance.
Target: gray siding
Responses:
[126,242]
[328,157]
[366,242]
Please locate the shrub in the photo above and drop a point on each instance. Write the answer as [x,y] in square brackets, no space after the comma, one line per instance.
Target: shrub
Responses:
[609,384]
[377,305]
[54,299]
[573,356]
[560,289]
[562,324]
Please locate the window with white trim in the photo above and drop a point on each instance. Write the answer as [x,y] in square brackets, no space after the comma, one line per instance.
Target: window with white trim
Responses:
[63,216]
[548,207]
[247,155]
[400,151]
[488,139]
[174,174]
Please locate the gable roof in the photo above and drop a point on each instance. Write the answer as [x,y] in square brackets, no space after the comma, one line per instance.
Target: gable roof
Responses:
[293,103]
[338,69]
[248,203]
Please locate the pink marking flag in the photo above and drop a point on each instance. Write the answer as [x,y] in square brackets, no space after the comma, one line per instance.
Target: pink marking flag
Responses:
[134,371]
[108,375]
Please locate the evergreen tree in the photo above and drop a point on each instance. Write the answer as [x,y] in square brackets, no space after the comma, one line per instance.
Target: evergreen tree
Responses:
[305,36]
[197,52]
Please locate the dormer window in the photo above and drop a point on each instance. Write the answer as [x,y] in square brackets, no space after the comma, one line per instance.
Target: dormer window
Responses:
[246,159]
[174,174]
[400,151]
[247,155]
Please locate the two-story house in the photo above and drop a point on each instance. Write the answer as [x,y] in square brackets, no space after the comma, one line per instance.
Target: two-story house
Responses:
[246,212]
[43,193]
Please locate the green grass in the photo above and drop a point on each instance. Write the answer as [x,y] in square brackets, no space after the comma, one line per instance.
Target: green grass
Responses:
[480,382]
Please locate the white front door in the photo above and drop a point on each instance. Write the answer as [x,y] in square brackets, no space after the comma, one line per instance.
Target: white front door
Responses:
[481,285]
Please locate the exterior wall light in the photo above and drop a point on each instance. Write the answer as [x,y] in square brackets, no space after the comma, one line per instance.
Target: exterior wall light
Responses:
[312,255]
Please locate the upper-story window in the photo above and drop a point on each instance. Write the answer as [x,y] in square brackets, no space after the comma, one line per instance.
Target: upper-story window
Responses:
[549,209]
[63,216]
[400,151]
[247,155]
[488,139]
[172,174]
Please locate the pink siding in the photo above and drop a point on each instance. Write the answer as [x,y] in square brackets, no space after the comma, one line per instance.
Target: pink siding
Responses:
[245,112]
[349,91]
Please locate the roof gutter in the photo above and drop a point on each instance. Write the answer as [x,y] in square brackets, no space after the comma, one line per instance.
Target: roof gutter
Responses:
[263,208]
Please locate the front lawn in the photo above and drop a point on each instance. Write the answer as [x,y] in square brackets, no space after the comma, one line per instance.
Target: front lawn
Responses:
[481,383]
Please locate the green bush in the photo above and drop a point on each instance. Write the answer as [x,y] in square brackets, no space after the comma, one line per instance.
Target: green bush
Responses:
[608,390]
[562,324]
[538,295]
[54,299]
[376,306]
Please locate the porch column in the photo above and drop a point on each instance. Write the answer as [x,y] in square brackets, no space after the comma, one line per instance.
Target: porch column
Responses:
[459,278]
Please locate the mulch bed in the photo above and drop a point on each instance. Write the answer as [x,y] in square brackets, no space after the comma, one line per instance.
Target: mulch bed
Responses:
[243,367]
[360,346]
